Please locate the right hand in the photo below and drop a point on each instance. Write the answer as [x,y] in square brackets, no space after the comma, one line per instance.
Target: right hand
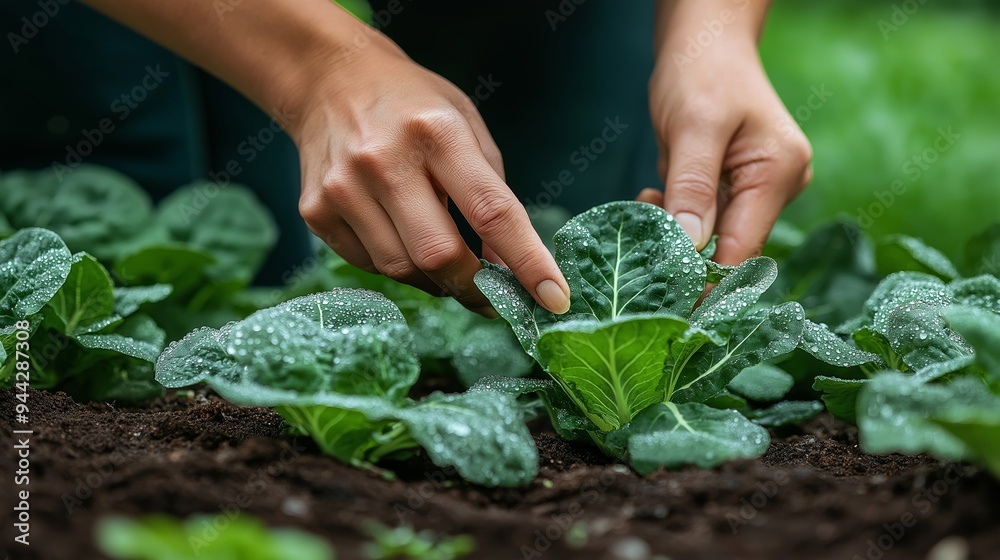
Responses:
[384,144]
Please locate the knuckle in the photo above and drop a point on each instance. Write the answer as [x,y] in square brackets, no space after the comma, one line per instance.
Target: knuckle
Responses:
[807,178]
[312,208]
[694,187]
[800,159]
[336,186]
[801,151]
[491,215]
[398,268]
[438,255]
[435,125]
[372,158]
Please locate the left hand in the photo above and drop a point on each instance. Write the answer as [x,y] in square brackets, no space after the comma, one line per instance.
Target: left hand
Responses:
[731,155]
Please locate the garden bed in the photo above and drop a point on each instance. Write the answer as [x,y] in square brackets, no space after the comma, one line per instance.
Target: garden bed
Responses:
[814,494]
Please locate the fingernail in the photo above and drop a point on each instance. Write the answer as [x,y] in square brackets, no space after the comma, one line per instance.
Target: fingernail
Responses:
[692,225]
[553,297]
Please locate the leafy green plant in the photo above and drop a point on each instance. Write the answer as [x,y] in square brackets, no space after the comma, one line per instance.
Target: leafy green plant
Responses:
[902,328]
[161,537]
[950,409]
[208,243]
[634,362]
[205,241]
[830,272]
[87,337]
[926,340]
[337,366]
[400,543]
[449,339]
[93,209]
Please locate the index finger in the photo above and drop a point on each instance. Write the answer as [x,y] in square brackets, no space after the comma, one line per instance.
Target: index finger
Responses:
[500,220]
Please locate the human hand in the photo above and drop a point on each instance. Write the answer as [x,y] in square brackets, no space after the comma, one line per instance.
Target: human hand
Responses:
[384,145]
[731,156]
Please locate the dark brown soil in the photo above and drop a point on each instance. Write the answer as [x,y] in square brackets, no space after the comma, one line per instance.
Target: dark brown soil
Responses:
[814,495]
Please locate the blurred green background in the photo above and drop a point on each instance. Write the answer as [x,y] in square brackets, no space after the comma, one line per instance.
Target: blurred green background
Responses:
[896,78]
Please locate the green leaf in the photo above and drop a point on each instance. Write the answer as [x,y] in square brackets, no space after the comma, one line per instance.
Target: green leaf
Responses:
[34,264]
[489,349]
[895,414]
[918,333]
[632,339]
[160,537]
[980,291]
[981,329]
[905,309]
[612,369]
[349,341]
[515,305]
[870,341]
[122,380]
[938,370]
[438,326]
[179,266]
[897,286]
[830,273]
[708,251]
[762,382]
[901,252]
[734,295]
[86,297]
[94,209]
[137,337]
[338,365]
[716,272]
[759,336]
[5,228]
[625,258]
[340,432]
[840,395]
[479,433]
[824,345]
[978,429]
[783,240]
[403,542]
[673,435]
[982,252]
[785,413]
[128,300]
[566,417]
[728,400]
[228,223]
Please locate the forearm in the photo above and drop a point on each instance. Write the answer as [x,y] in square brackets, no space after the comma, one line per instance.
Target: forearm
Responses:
[679,22]
[272,51]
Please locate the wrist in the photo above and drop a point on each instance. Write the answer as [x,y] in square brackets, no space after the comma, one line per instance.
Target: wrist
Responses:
[329,57]
[687,29]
